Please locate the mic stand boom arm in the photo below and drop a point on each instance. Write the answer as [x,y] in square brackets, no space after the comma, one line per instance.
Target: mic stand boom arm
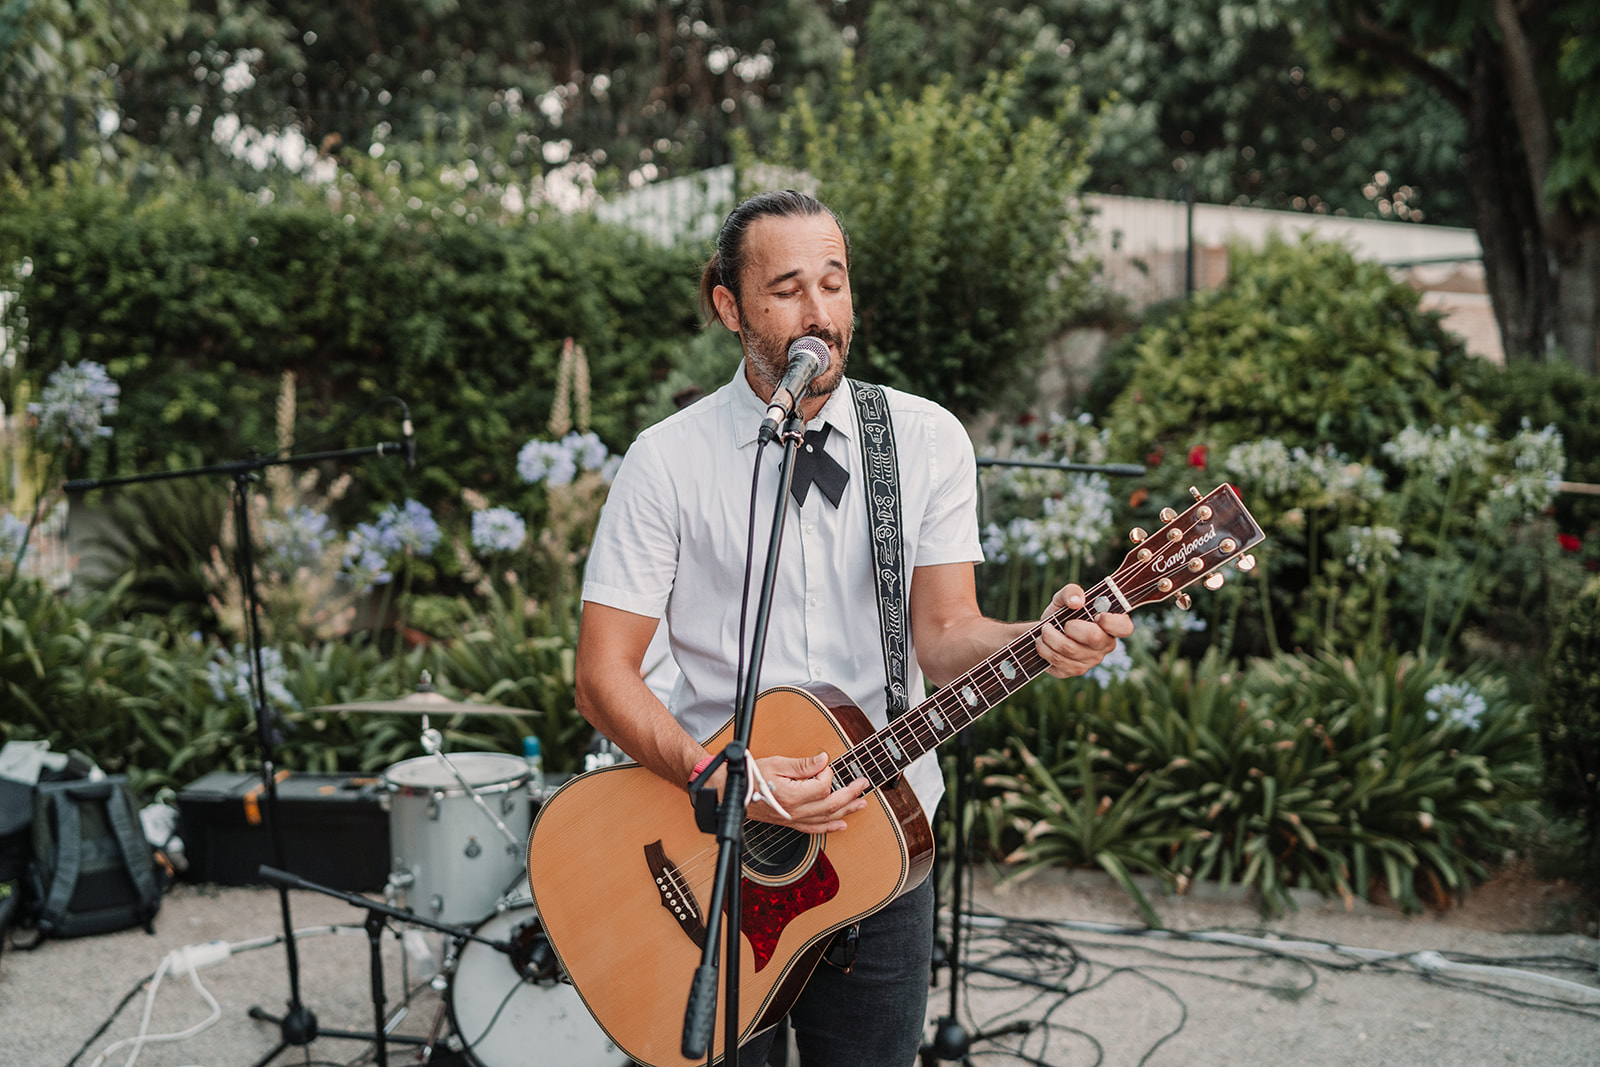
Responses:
[299,1024]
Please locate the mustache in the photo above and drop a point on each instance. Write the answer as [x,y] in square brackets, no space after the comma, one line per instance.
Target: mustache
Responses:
[833,337]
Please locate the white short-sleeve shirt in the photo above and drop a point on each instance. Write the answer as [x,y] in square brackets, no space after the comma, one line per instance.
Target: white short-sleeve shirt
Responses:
[672,541]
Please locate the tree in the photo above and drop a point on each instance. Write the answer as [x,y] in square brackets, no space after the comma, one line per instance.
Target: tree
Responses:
[55,63]
[1525,74]
[1215,95]
[625,89]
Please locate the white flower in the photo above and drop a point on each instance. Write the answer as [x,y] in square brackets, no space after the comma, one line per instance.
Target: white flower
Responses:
[1114,667]
[1262,466]
[73,401]
[547,462]
[230,677]
[1438,453]
[1538,459]
[1459,701]
[498,530]
[1371,545]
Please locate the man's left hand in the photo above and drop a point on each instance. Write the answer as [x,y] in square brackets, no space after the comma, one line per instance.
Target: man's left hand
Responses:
[1080,644]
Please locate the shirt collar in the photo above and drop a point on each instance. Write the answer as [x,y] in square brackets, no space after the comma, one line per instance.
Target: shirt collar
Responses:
[746,409]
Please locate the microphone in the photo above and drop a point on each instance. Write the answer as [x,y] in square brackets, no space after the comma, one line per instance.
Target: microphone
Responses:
[808,357]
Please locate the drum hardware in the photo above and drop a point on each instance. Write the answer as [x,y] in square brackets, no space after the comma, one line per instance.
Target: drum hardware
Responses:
[441,861]
[377,915]
[432,741]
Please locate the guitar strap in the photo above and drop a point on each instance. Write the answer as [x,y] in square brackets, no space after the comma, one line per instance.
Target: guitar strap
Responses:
[882,485]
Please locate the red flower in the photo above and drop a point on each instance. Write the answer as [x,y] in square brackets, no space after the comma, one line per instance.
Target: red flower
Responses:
[1569,542]
[1197,456]
[1027,418]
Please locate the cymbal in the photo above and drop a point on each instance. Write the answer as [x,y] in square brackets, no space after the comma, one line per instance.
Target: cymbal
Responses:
[427,703]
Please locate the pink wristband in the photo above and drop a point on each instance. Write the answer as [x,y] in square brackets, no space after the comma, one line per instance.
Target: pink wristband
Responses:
[705,761]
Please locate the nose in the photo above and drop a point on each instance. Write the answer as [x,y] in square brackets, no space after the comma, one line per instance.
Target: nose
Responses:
[814,312]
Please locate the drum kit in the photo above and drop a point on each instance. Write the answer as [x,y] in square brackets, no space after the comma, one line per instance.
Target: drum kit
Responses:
[458,830]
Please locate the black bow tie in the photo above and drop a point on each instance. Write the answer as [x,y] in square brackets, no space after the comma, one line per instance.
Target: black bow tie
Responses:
[813,464]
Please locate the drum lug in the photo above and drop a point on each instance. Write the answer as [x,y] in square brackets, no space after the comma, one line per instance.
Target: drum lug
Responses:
[434,800]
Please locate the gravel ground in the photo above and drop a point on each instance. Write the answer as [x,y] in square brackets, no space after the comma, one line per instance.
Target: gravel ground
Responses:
[1073,979]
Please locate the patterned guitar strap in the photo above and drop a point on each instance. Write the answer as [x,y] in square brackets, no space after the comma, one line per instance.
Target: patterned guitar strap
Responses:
[882,484]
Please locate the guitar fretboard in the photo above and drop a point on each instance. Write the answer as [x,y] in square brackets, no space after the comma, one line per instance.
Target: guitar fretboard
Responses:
[887,753]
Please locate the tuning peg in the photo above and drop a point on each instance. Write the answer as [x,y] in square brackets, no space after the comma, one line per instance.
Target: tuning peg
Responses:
[1246,562]
[1183,601]
[1137,535]
[1167,514]
[1213,581]
[1194,492]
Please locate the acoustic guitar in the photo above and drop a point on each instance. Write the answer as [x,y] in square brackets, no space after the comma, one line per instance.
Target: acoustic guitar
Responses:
[620,873]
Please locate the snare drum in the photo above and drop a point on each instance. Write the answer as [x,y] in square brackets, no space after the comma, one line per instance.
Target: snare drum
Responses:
[513,1010]
[450,862]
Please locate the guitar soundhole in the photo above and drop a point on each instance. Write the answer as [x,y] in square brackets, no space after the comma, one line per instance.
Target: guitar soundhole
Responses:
[775,853]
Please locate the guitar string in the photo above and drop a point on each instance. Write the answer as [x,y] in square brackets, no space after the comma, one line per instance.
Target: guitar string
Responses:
[1021,653]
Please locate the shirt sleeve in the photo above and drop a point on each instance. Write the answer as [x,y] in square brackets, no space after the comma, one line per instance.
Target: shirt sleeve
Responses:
[949,531]
[634,556]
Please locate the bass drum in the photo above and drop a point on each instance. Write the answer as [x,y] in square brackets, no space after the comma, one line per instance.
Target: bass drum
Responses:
[515,1010]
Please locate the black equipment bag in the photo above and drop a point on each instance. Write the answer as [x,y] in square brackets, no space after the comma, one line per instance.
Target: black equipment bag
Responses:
[92,870]
[16,817]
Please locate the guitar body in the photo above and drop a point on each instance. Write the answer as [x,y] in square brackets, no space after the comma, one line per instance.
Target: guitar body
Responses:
[621,877]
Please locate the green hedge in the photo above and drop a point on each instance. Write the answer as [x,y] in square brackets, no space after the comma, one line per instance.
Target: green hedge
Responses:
[198,302]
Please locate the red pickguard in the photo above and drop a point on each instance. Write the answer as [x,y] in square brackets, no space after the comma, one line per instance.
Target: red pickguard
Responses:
[767,909]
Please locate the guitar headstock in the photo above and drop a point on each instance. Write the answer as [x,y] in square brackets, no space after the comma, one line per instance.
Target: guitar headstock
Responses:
[1216,530]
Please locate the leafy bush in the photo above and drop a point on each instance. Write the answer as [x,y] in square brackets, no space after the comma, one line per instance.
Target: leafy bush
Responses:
[1555,394]
[152,542]
[1569,712]
[1325,773]
[1303,343]
[1348,419]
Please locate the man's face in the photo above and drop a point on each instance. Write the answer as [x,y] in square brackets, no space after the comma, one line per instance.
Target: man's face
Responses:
[796,283]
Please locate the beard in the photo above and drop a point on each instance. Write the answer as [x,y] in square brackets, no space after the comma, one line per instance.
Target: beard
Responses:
[768,356]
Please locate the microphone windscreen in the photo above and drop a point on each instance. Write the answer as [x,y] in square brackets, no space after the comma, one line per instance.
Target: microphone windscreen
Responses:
[814,345]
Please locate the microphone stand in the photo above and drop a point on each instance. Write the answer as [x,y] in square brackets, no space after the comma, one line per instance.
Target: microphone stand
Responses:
[377,912]
[951,1040]
[298,1025]
[727,820]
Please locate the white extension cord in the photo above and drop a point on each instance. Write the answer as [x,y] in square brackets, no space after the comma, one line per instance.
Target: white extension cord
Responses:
[187,960]
[190,960]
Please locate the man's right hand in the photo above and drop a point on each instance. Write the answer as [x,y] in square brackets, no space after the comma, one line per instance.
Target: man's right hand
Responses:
[803,787]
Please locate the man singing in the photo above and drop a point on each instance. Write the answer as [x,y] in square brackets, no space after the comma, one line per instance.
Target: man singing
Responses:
[672,541]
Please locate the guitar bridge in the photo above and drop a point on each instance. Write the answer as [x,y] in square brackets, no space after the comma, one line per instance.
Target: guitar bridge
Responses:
[676,896]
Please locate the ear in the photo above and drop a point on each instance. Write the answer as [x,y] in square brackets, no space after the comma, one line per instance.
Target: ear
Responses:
[727,307]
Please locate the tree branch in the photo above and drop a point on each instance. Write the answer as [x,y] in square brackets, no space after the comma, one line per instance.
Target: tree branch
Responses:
[1527,104]
[1453,91]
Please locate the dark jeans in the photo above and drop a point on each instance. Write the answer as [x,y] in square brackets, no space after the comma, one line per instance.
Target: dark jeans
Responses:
[873,1016]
